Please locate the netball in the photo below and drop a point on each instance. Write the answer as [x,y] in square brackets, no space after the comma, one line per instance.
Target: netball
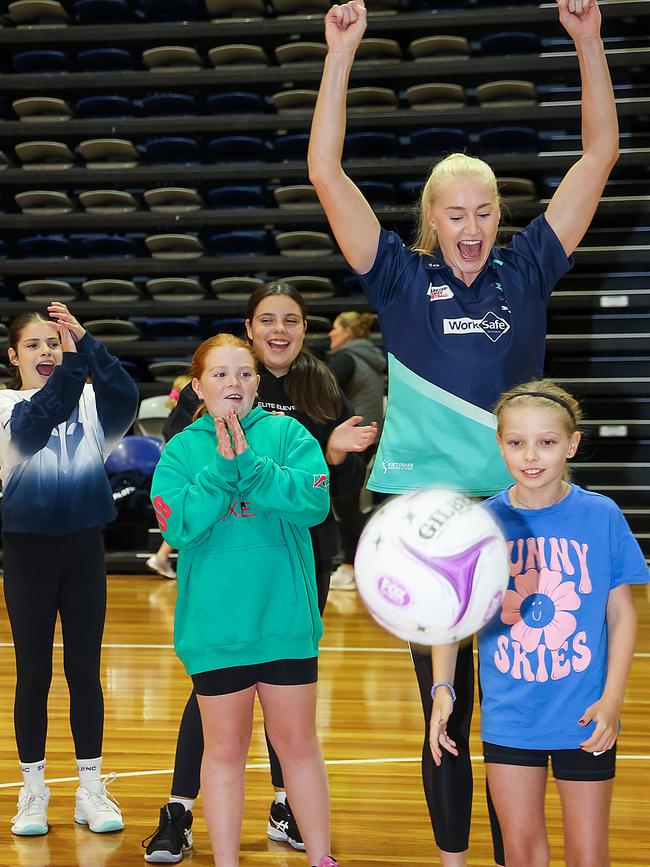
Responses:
[432,567]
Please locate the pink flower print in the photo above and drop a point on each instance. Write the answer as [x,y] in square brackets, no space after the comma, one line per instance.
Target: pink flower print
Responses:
[540,604]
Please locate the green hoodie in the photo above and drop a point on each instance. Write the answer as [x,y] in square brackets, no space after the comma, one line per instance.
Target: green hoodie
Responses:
[246,580]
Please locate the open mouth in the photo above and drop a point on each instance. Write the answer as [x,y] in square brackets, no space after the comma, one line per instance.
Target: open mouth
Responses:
[470,251]
[533,472]
[45,369]
[278,344]
[233,397]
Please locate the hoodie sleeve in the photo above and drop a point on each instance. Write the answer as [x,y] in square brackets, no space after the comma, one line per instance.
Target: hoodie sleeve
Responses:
[116,394]
[296,490]
[188,504]
[27,425]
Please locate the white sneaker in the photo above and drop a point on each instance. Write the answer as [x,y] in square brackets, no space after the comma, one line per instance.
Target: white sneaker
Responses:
[98,810]
[162,567]
[31,818]
[343,578]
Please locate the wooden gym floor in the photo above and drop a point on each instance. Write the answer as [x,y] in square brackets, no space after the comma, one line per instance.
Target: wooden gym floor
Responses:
[371,730]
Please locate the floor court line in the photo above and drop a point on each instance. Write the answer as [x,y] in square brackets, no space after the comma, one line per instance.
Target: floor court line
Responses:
[326,649]
[256,766]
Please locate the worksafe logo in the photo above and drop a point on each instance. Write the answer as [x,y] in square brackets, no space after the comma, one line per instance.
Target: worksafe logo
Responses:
[491,325]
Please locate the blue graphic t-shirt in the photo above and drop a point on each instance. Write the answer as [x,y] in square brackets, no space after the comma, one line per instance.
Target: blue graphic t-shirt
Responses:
[544,656]
[452,350]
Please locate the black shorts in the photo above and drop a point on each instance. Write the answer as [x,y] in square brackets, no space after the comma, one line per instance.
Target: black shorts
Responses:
[281,672]
[576,765]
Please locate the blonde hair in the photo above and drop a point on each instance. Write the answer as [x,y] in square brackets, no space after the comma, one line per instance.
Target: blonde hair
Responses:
[197,367]
[177,386]
[453,166]
[546,394]
[358,323]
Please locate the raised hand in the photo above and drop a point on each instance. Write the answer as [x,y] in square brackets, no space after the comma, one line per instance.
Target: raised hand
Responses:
[63,319]
[239,443]
[67,341]
[224,444]
[345,26]
[580,18]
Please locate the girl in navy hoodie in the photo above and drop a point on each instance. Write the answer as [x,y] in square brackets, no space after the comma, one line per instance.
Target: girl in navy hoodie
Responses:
[56,431]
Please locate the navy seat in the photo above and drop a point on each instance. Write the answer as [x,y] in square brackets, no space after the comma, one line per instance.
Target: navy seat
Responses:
[251,243]
[172,10]
[292,147]
[172,149]
[378,192]
[104,106]
[45,247]
[230,324]
[236,197]
[435,141]
[41,60]
[507,139]
[370,145]
[239,148]
[235,102]
[169,328]
[102,11]
[517,42]
[168,104]
[103,246]
[135,453]
[105,60]
[4,250]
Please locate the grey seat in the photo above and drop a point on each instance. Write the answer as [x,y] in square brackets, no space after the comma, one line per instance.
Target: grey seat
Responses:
[173,199]
[303,243]
[373,49]
[42,108]
[301,52]
[179,57]
[44,202]
[174,245]
[294,100]
[371,98]
[112,289]
[175,289]
[238,54]
[113,330]
[114,153]
[311,287]
[44,154]
[108,201]
[38,13]
[235,288]
[45,290]
[439,46]
[507,92]
[296,196]
[434,95]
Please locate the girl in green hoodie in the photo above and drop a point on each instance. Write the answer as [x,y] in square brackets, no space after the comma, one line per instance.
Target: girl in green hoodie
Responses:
[235,493]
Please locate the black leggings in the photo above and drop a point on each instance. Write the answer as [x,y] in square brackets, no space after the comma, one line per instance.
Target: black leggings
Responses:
[448,788]
[186,781]
[46,575]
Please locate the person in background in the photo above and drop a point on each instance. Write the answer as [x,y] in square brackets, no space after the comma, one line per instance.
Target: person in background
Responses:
[359,367]
[160,562]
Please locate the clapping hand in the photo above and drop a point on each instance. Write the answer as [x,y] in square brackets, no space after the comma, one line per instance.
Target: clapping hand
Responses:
[348,437]
[230,436]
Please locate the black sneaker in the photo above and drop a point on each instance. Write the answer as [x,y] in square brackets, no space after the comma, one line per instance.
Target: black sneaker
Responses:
[172,837]
[283,827]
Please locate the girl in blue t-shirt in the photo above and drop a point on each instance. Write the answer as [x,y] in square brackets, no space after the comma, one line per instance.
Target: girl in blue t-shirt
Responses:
[554,663]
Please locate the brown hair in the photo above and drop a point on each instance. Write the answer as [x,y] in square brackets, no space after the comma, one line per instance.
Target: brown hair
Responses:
[358,323]
[309,384]
[452,166]
[543,393]
[197,365]
[16,329]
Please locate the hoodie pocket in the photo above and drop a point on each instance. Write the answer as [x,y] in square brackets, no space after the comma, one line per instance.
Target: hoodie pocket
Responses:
[240,597]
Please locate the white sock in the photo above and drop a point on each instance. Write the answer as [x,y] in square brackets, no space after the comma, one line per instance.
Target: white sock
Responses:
[188,803]
[280,797]
[89,771]
[33,775]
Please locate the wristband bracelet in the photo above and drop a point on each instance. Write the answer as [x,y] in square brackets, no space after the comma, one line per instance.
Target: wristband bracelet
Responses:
[446,683]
